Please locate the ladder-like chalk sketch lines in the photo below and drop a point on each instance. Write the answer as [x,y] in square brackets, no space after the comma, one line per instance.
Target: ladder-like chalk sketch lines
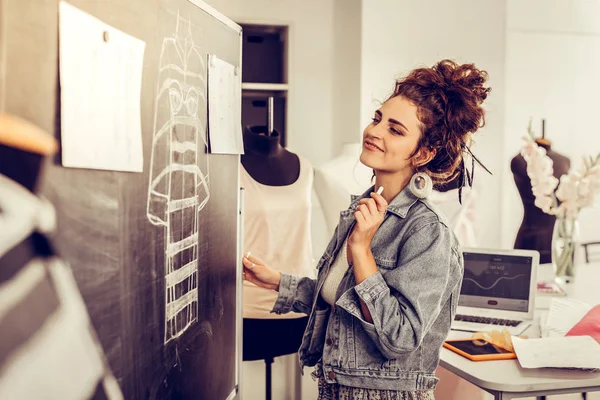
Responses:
[179,181]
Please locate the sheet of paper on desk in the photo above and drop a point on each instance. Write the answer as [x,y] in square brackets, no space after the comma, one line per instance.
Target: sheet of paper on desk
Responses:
[224,107]
[563,315]
[101,81]
[581,352]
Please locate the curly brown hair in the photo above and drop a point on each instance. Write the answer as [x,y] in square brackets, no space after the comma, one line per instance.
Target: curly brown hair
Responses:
[448,97]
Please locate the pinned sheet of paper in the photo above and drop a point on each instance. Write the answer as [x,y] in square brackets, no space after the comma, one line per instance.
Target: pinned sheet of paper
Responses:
[101,82]
[224,107]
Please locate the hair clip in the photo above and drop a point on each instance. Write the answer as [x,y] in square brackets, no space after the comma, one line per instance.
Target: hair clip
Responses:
[467,177]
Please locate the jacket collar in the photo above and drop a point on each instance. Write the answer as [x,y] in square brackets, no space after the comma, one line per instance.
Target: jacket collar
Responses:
[399,205]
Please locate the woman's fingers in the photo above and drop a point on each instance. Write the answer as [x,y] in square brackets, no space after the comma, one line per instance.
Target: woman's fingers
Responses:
[248,264]
[253,279]
[364,209]
[259,273]
[371,205]
[251,262]
[360,218]
[250,257]
[253,268]
[382,204]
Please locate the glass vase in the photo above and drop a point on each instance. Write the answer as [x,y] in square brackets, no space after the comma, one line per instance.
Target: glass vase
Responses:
[565,248]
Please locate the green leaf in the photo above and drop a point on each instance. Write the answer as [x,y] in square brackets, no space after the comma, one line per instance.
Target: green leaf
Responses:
[586,163]
[530,129]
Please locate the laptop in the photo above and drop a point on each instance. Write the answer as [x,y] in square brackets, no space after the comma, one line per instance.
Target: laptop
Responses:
[498,290]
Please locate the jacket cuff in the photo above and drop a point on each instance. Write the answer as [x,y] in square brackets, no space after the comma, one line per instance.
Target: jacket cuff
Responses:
[287,293]
[371,288]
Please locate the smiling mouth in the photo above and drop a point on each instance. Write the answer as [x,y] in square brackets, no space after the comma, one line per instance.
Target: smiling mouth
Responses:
[371,146]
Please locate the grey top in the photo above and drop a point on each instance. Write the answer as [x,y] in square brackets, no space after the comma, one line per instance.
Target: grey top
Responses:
[335,276]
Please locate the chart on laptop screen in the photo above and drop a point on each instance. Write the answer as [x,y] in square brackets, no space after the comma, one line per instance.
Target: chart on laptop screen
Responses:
[498,282]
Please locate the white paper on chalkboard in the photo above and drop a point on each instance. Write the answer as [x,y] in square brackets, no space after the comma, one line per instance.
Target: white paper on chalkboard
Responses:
[101,81]
[224,107]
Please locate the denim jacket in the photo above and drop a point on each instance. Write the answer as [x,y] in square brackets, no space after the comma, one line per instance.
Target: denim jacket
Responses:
[412,300]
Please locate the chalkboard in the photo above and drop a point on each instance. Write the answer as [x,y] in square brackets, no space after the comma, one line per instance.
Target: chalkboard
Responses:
[108,229]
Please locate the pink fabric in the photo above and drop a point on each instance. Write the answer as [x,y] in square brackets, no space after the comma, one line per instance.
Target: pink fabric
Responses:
[589,325]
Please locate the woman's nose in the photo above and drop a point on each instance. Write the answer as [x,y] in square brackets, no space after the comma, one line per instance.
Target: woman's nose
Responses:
[374,131]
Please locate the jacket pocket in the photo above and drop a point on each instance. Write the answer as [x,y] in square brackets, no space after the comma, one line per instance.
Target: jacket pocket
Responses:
[323,261]
[319,330]
[384,263]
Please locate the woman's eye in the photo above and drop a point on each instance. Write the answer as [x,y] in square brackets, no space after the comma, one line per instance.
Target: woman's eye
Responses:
[395,131]
[375,120]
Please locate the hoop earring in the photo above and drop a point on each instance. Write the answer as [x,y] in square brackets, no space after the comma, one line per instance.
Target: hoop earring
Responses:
[421,185]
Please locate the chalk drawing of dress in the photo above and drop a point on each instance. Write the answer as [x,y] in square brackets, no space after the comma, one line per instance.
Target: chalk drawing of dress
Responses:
[179,181]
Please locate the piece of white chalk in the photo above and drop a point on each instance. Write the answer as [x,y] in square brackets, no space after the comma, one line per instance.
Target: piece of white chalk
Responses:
[247,254]
[380,190]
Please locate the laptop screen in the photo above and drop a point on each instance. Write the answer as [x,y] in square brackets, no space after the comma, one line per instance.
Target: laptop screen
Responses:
[496,281]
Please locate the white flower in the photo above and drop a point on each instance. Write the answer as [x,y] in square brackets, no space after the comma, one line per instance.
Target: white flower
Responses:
[584,188]
[544,203]
[567,190]
[528,147]
[571,210]
[576,190]
[545,187]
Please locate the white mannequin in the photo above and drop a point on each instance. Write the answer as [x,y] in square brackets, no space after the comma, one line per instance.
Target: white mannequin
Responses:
[460,217]
[338,179]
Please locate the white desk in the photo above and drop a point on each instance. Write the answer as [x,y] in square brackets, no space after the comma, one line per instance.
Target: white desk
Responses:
[506,379]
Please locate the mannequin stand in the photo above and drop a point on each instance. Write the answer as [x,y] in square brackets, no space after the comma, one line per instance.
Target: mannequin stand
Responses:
[268,386]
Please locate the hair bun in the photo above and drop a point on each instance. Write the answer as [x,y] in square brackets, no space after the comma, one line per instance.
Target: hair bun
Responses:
[449,101]
[464,91]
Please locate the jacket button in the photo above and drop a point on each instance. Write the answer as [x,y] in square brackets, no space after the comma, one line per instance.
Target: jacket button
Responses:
[430,384]
[329,342]
[331,375]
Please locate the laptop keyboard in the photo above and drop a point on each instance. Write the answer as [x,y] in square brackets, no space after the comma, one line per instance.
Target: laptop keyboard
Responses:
[487,321]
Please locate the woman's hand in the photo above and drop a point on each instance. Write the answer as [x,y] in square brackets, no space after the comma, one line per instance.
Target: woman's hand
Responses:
[259,273]
[369,216]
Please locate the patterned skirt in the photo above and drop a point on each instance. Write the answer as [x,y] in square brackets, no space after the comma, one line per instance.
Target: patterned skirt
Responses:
[329,391]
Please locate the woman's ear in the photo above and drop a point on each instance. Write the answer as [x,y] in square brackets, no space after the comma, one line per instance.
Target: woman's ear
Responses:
[423,156]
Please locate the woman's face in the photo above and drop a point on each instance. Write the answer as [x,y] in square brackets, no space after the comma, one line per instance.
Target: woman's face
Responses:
[392,137]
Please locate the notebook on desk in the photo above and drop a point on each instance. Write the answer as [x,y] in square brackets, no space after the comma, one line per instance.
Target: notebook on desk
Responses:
[498,290]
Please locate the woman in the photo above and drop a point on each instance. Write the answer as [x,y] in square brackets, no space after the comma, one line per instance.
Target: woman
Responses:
[389,281]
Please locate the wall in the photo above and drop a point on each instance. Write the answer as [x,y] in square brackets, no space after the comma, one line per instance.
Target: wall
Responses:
[310,69]
[552,64]
[399,35]
[347,31]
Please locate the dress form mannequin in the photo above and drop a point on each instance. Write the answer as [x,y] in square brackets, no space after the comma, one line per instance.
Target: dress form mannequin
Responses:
[338,179]
[536,228]
[461,216]
[43,313]
[268,167]
[266,160]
